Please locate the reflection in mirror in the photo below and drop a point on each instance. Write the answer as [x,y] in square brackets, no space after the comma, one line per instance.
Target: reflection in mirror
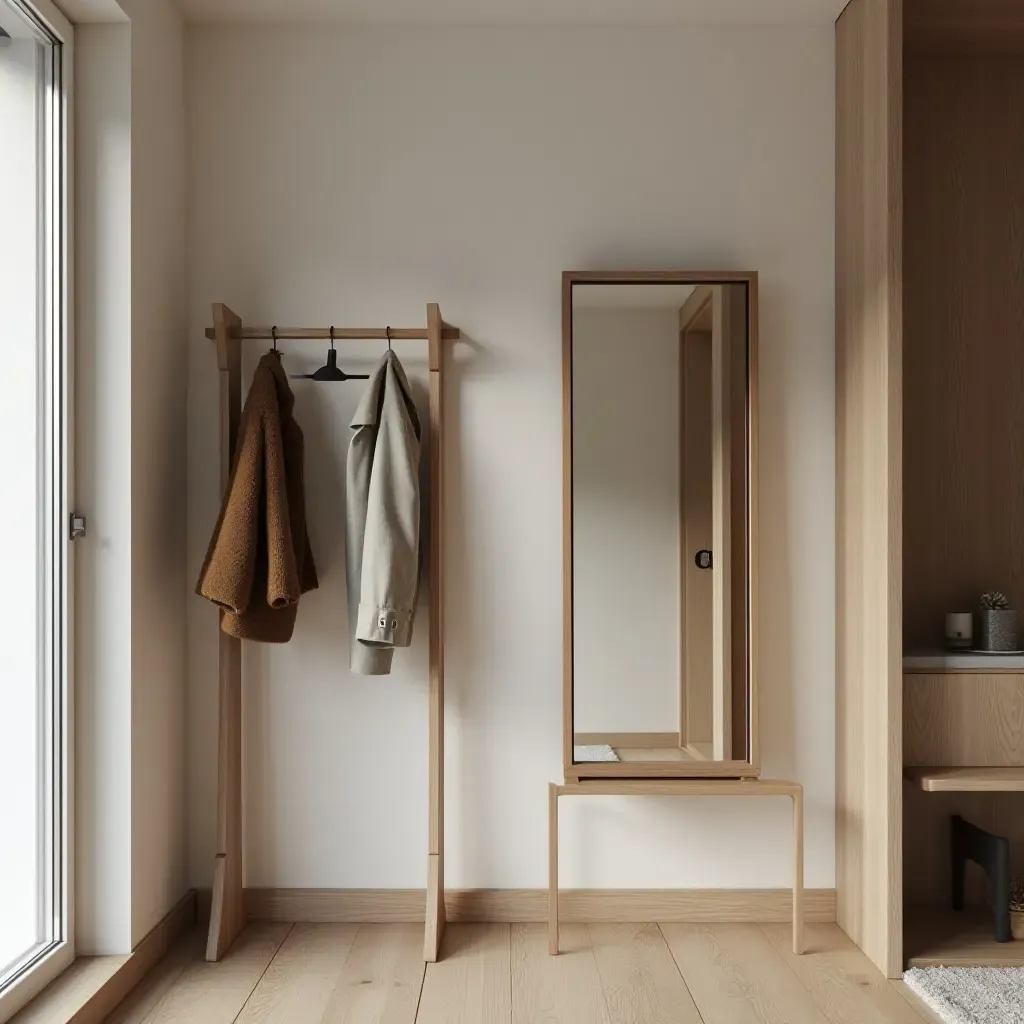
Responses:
[660,522]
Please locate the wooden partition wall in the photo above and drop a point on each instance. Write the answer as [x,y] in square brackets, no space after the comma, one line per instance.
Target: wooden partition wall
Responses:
[869,78]
[930,411]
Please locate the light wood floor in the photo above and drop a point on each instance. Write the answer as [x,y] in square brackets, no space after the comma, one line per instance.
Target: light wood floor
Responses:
[502,974]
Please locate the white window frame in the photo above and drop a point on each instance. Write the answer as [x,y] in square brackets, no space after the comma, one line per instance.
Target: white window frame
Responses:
[43,967]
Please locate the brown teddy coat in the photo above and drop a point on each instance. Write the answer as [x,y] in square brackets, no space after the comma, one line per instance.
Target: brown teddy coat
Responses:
[259,561]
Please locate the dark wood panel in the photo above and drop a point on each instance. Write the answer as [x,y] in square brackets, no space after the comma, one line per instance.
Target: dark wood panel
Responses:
[960,26]
[926,857]
[964,337]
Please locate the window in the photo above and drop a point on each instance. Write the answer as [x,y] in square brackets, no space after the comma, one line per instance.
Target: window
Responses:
[35,925]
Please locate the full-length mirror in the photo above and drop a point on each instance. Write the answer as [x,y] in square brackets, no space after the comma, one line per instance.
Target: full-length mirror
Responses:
[659,371]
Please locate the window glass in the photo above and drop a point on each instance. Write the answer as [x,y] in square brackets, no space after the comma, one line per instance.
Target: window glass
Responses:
[31,406]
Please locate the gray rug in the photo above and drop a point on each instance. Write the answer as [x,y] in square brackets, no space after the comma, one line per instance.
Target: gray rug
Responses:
[591,754]
[971,995]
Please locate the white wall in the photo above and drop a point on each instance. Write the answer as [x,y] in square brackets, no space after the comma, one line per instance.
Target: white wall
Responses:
[103,607]
[625,441]
[159,371]
[354,175]
[130,461]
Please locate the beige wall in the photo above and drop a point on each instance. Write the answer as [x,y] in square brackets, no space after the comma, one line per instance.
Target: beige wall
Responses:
[351,176]
[130,391]
[159,379]
[103,344]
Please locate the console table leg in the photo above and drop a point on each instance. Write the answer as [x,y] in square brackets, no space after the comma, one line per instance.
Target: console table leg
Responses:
[798,872]
[553,869]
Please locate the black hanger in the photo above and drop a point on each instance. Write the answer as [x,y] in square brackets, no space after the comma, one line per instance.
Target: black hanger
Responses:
[330,370]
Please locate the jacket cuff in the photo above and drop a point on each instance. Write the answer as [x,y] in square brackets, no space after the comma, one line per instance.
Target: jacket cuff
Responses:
[389,627]
[365,660]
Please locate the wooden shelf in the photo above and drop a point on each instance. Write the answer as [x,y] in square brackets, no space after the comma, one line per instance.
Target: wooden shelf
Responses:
[967,780]
[945,938]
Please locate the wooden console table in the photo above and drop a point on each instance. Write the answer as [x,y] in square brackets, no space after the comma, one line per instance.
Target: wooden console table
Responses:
[679,787]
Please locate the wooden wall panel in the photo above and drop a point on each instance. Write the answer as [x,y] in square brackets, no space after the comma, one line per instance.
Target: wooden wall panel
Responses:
[869,301]
[927,866]
[956,26]
[968,720]
[927,862]
[964,345]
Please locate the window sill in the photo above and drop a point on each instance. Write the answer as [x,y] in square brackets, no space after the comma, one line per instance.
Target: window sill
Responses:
[93,986]
[71,992]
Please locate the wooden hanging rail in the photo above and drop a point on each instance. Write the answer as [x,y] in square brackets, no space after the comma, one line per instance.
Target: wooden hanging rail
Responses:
[448,333]
[227,911]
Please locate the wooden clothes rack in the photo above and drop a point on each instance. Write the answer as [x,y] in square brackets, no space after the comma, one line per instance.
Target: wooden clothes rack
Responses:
[227,912]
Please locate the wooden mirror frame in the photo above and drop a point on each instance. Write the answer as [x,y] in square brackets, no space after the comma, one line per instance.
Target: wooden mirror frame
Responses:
[575,772]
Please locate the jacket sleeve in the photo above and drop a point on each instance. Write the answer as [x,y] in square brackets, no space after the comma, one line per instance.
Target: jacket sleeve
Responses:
[391,543]
[307,577]
[228,571]
[283,585]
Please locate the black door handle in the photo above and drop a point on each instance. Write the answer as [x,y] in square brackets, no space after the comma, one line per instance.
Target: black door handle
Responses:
[703,559]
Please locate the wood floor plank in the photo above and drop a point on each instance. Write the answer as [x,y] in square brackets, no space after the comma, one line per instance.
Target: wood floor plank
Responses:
[297,986]
[471,983]
[640,979]
[215,993]
[925,1012]
[382,977]
[564,988]
[845,985]
[735,975]
[161,979]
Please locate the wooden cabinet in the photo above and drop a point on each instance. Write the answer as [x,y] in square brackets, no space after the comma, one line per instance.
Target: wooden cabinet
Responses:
[958,719]
[930,413]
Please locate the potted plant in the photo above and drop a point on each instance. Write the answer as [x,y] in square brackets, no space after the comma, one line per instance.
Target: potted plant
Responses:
[997,623]
[1017,909]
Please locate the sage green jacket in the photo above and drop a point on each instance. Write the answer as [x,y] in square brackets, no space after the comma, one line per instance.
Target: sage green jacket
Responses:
[382,522]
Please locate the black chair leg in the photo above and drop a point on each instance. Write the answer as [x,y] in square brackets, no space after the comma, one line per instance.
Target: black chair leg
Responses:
[992,853]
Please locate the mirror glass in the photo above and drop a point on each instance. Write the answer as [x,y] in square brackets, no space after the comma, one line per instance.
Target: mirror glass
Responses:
[660,521]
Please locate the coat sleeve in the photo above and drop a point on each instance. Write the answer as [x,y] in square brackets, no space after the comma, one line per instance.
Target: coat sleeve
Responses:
[283,584]
[391,543]
[230,566]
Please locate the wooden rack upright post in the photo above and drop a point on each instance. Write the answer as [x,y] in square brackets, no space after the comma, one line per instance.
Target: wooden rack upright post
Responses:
[227,911]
